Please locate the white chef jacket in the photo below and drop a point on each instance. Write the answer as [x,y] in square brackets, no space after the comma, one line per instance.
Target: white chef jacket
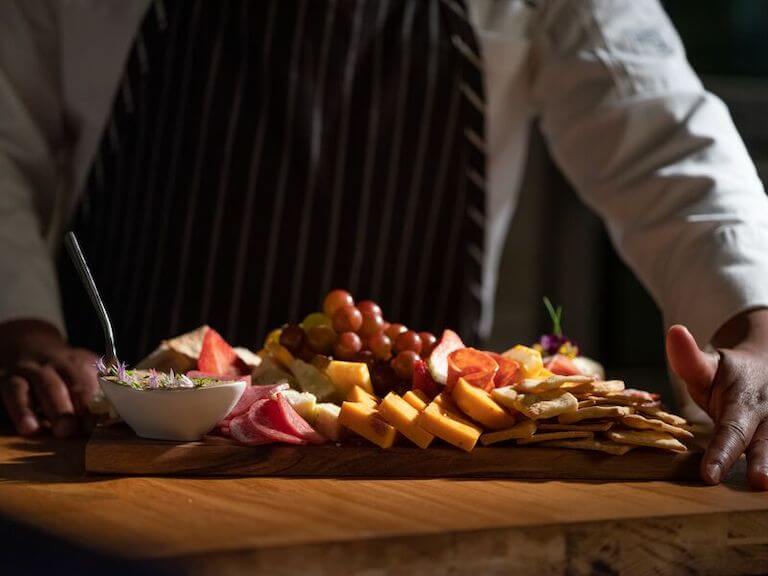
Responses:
[627,120]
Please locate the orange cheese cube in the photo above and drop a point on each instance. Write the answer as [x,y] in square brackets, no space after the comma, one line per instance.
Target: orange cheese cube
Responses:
[478,405]
[443,419]
[366,421]
[346,375]
[357,394]
[417,399]
[405,418]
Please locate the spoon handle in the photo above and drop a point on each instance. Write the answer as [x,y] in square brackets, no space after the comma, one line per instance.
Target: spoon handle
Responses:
[78,259]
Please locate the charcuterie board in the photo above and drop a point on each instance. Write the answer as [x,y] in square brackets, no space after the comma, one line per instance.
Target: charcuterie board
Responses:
[117,450]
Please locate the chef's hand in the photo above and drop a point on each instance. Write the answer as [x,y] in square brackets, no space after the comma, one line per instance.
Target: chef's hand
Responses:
[732,387]
[44,379]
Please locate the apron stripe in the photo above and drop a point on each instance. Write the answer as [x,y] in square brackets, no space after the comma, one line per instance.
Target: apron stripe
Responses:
[285,161]
[369,165]
[254,168]
[199,163]
[425,128]
[394,155]
[224,180]
[307,222]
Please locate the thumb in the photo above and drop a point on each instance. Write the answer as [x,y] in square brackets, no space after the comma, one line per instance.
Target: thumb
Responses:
[695,367]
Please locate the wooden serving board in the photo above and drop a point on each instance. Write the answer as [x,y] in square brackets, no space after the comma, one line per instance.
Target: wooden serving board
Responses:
[117,450]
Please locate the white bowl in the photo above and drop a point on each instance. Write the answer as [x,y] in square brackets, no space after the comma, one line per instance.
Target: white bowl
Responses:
[183,414]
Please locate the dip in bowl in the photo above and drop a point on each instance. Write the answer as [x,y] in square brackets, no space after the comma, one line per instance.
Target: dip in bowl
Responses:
[169,406]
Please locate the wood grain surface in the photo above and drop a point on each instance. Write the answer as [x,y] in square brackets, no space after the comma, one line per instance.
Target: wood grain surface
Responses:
[344,526]
[117,450]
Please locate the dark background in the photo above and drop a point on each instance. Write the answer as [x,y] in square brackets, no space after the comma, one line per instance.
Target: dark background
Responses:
[606,310]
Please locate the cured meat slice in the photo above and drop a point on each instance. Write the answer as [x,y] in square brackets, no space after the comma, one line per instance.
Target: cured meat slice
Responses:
[285,418]
[218,357]
[251,394]
[255,427]
[469,361]
[438,359]
[562,366]
[509,371]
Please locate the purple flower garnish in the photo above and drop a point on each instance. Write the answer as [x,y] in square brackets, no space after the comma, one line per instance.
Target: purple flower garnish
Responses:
[121,373]
[152,380]
[100,366]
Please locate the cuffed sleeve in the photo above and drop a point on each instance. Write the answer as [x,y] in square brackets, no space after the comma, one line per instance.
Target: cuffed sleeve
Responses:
[655,154]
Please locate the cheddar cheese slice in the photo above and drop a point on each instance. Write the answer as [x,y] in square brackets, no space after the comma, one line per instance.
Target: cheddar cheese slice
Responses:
[443,419]
[417,399]
[478,405]
[366,421]
[404,417]
[357,394]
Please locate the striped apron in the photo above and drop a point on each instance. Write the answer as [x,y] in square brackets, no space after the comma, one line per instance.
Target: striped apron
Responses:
[259,154]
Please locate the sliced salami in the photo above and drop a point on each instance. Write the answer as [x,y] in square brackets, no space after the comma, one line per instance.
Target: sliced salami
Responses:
[251,395]
[285,418]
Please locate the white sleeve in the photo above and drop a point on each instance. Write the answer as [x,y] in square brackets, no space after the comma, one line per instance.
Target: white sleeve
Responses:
[655,155]
[31,146]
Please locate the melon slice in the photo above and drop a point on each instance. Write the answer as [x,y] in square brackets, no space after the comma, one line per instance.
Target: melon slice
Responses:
[438,359]
[218,357]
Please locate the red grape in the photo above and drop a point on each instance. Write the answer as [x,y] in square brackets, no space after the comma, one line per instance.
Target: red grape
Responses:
[409,340]
[370,306]
[364,356]
[321,339]
[335,300]
[347,346]
[394,330]
[293,338]
[381,346]
[371,326]
[347,319]
[428,342]
[403,364]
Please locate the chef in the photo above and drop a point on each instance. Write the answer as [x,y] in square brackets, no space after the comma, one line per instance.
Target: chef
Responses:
[230,162]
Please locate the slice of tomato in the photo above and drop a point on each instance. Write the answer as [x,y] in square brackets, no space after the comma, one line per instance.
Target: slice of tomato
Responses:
[466,361]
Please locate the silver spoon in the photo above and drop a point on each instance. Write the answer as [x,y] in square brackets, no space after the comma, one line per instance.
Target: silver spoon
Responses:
[73,247]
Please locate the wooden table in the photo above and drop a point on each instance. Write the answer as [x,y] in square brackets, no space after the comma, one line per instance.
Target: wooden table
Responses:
[321,526]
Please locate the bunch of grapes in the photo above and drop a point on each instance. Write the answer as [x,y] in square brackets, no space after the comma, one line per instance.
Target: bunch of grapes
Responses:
[357,332]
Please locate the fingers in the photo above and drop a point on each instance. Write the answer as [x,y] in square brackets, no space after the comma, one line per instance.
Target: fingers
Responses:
[80,375]
[757,458]
[733,433]
[17,401]
[695,367]
[52,394]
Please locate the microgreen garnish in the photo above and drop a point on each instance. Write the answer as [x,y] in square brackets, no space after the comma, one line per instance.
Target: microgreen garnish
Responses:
[149,379]
[556,316]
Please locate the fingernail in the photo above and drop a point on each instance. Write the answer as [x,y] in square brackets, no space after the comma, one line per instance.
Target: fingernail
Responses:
[64,426]
[713,471]
[28,425]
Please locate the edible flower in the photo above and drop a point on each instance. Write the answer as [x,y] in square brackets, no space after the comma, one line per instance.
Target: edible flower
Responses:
[556,342]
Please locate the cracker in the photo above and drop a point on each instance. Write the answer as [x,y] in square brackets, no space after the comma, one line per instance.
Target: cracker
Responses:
[523,429]
[587,426]
[551,383]
[546,436]
[640,422]
[595,412]
[596,387]
[591,444]
[649,438]
[505,396]
[546,404]
[587,403]
[659,414]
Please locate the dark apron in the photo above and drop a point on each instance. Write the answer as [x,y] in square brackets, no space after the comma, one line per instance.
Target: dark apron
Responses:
[259,154]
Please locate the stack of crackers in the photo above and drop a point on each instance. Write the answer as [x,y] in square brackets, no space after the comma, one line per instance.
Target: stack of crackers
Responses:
[583,413]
